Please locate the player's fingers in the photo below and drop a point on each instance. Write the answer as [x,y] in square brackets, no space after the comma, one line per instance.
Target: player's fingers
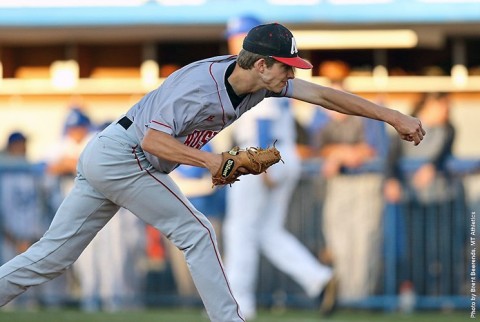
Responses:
[420,128]
[420,135]
[416,139]
[412,138]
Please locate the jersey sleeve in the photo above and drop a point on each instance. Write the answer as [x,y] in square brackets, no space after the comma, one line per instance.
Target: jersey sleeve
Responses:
[160,123]
[176,112]
[287,91]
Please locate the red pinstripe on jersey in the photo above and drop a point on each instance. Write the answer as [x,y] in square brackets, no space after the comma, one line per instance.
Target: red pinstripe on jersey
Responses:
[218,93]
[162,124]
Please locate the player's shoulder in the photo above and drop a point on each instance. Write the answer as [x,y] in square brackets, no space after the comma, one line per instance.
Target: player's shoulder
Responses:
[197,72]
[220,62]
[224,59]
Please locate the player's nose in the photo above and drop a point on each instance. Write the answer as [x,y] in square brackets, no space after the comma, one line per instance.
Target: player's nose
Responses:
[291,73]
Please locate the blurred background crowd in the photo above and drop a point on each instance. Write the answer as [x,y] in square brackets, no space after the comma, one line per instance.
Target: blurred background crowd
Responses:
[392,220]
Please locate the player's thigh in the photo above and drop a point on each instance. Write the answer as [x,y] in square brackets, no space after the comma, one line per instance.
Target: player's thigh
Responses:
[83,208]
[80,216]
[160,203]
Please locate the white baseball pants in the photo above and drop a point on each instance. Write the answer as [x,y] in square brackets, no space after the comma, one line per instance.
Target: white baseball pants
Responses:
[113,172]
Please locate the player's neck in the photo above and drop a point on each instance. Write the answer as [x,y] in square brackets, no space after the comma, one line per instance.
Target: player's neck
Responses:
[243,81]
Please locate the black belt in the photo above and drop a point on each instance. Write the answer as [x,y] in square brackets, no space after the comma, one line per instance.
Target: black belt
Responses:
[125,122]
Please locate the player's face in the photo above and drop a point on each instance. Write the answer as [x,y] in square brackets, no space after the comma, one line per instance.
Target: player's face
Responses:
[276,77]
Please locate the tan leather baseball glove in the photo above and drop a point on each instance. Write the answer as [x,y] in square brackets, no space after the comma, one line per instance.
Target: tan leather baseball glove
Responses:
[237,162]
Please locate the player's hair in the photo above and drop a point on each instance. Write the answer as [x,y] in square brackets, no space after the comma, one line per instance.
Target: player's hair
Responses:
[246,59]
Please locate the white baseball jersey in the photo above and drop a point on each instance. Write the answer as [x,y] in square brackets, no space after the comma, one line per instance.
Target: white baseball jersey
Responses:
[193,106]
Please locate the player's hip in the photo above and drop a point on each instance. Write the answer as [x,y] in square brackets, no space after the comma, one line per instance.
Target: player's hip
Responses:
[111,163]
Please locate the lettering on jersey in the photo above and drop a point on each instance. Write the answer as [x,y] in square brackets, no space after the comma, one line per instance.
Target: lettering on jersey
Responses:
[199,138]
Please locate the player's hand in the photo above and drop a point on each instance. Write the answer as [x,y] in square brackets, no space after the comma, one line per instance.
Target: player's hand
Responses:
[392,190]
[409,128]
[424,176]
[331,167]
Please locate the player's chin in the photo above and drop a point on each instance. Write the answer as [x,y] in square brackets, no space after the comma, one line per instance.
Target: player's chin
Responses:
[277,89]
[276,86]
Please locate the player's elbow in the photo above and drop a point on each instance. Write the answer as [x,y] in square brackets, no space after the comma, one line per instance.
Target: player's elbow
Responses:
[161,145]
[148,143]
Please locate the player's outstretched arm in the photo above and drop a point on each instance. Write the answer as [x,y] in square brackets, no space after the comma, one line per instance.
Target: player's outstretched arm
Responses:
[168,148]
[409,128]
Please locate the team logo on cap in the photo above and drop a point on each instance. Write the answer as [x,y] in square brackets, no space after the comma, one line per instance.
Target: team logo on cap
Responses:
[294,49]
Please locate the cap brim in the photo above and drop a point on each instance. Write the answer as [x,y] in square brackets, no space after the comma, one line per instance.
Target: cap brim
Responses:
[294,62]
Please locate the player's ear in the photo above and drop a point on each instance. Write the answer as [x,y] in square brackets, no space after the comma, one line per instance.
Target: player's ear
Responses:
[260,65]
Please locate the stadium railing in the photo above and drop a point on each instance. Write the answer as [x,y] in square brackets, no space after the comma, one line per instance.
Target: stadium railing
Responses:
[427,245]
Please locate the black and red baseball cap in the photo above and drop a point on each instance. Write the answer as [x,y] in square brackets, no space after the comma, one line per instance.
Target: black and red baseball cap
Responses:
[276,41]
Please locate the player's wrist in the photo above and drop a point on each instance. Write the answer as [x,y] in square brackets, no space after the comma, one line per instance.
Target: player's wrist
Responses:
[392,117]
[213,162]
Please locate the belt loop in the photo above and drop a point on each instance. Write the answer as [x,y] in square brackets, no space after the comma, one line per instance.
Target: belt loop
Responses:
[125,122]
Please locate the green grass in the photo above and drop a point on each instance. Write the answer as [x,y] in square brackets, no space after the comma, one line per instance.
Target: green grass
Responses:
[193,315]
